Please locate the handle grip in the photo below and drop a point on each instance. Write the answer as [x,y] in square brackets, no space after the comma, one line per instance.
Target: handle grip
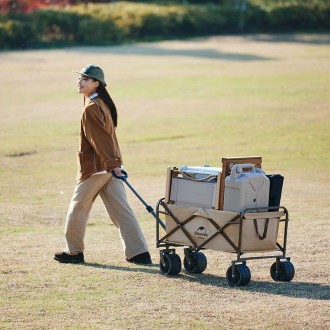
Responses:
[237,169]
[120,177]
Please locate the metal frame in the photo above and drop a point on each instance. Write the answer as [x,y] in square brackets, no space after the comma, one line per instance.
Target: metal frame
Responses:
[238,220]
[194,247]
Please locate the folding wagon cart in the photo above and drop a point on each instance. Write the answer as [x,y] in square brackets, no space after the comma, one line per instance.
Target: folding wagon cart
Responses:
[203,221]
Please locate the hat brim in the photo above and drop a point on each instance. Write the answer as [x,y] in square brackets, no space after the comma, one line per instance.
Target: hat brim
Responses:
[86,75]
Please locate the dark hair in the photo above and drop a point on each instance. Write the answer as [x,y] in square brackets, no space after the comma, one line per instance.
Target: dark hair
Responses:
[104,95]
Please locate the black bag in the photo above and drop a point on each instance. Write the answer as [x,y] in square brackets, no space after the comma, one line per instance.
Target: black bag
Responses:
[275,189]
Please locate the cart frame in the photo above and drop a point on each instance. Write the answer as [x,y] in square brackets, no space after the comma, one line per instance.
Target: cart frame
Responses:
[238,268]
[238,274]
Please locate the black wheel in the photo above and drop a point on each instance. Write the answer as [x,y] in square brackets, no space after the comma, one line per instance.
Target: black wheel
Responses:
[284,273]
[172,264]
[196,263]
[242,275]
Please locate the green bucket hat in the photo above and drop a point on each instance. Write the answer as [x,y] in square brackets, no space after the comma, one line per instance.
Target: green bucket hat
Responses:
[93,71]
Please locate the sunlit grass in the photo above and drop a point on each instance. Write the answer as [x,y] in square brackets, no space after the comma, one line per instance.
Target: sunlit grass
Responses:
[226,96]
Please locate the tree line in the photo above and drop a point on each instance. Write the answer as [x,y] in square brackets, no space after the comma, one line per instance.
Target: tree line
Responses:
[126,21]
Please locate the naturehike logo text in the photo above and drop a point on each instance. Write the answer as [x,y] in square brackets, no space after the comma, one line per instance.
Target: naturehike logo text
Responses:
[201,231]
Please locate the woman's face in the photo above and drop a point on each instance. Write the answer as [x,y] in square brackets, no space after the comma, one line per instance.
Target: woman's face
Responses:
[87,86]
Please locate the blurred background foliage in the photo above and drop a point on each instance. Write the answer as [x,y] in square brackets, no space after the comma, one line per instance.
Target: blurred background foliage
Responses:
[74,22]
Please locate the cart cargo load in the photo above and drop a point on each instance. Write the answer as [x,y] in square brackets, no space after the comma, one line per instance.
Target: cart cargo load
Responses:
[235,208]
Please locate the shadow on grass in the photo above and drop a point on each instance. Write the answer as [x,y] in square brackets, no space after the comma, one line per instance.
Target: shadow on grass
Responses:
[153,268]
[290,289]
[152,50]
[317,39]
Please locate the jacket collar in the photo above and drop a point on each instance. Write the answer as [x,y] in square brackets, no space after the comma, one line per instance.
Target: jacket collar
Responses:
[93,96]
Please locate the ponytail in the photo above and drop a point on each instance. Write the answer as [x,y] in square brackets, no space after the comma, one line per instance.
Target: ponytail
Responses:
[104,95]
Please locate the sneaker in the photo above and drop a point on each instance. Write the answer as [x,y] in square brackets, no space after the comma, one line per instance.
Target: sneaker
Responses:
[143,258]
[67,258]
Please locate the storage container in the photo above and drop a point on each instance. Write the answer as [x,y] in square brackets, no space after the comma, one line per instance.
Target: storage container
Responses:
[245,187]
[200,172]
[195,186]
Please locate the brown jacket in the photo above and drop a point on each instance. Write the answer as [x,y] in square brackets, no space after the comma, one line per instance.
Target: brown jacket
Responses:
[98,149]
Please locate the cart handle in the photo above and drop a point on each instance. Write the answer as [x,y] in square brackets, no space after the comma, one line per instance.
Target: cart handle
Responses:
[148,207]
[120,177]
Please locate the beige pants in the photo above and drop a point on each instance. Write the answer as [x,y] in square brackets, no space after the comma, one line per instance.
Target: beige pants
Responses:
[113,194]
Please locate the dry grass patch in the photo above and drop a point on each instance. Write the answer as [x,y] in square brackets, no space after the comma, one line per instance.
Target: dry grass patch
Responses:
[181,102]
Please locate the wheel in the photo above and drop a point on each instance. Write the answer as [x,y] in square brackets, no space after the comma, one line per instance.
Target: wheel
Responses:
[196,264]
[285,272]
[242,275]
[172,264]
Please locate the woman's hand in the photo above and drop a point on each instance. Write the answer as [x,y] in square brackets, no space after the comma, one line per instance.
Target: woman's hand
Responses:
[117,170]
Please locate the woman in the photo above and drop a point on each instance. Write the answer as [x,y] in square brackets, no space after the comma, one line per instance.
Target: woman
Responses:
[99,154]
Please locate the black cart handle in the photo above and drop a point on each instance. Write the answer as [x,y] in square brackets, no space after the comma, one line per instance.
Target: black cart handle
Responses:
[148,207]
[120,177]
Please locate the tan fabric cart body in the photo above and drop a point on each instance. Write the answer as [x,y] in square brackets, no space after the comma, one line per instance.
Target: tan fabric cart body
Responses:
[201,228]
[222,215]
[205,206]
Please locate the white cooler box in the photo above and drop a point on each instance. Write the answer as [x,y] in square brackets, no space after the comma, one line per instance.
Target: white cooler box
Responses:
[200,228]
[198,186]
[245,187]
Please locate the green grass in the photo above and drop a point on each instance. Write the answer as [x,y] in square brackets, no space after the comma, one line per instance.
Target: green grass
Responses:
[180,102]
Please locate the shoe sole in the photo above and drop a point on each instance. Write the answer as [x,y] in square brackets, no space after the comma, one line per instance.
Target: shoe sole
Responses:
[69,261]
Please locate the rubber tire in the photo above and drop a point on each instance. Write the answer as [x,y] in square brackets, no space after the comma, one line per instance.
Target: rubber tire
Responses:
[242,275]
[285,272]
[172,264]
[198,263]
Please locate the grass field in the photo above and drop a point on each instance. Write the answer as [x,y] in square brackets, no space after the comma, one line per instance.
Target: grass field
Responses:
[180,102]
